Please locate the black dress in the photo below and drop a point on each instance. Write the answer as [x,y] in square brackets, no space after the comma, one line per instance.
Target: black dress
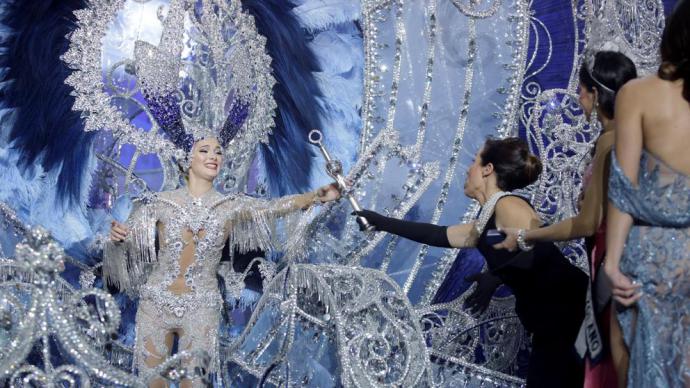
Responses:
[550,302]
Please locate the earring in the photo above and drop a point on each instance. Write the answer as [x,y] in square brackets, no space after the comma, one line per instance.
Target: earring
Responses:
[593,117]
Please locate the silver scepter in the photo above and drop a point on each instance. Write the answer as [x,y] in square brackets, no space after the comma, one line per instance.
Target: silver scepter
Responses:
[335,170]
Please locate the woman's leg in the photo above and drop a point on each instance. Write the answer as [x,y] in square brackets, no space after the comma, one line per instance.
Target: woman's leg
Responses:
[554,363]
[619,351]
[154,358]
[153,344]
[200,338]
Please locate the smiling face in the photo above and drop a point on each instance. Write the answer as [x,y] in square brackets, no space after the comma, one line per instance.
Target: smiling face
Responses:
[207,157]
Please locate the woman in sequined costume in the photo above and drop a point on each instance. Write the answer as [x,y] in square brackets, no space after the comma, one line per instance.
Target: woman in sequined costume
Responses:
[549,290]
[648,233]
[168,253]
[601,76]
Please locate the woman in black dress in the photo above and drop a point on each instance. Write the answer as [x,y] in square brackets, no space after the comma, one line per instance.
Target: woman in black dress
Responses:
[549,291]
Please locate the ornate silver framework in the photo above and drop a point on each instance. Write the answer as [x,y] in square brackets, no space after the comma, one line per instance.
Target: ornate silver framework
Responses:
[362,310]
[40,310]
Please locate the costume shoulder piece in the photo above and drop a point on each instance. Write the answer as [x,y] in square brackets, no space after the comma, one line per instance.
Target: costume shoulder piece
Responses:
[257,224]
[124,263]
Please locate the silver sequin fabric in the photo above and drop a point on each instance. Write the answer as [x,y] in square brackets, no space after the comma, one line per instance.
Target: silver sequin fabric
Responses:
[191,235]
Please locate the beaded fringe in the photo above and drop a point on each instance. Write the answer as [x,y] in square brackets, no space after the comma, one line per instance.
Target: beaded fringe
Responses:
[125,263]
[256,228]
[12,273]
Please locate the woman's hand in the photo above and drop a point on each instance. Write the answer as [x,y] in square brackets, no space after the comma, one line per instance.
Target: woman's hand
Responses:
[328,193]
[118,231]
[372,217]
[510,242]
[623,289]
[480,298]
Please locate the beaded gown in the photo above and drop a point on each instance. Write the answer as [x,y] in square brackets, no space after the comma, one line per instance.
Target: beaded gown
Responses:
[656,255]
[170,259]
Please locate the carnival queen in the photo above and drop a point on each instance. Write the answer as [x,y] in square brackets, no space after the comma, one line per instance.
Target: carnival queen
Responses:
[168,252]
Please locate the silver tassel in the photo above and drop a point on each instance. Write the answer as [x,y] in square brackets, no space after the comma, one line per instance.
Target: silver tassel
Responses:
[256,223]
[124,263]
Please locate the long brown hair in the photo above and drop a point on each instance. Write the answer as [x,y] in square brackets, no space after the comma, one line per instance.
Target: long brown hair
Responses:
[675,47]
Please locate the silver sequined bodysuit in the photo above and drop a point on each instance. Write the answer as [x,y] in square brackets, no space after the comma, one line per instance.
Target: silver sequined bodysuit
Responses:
[177,286]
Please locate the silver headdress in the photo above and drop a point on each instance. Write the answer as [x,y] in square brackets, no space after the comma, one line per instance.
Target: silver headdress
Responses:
[626,27]
[207,76]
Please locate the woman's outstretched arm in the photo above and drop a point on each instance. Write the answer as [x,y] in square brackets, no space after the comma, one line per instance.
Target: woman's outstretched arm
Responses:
[591,214]
[456,236]
[288,204]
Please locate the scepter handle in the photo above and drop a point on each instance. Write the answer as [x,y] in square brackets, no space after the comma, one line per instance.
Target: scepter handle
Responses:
[334,169]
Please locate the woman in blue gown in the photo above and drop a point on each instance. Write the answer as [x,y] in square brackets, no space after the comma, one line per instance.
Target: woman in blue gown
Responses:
[648,234]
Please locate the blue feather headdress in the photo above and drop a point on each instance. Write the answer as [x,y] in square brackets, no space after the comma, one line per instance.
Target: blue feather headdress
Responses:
[165,109]
[207,76]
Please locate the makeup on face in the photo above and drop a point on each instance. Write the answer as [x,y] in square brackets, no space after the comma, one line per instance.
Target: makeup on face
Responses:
[208,156]
[211,158]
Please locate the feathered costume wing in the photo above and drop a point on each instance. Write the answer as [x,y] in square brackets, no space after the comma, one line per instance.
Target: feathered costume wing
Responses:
[45,155]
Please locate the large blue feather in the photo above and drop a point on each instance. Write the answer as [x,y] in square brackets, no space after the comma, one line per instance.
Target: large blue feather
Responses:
[288,156]
[45,129]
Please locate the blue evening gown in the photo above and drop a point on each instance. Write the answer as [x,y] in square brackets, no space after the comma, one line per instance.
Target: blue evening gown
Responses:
[657,256]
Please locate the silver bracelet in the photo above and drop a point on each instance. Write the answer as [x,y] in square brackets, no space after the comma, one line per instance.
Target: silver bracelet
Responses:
[521,241]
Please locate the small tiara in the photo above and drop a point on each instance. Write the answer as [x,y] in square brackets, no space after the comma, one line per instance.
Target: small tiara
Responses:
[589,58]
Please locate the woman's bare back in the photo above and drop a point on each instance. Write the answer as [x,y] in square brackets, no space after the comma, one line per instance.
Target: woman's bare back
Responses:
[665,119]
